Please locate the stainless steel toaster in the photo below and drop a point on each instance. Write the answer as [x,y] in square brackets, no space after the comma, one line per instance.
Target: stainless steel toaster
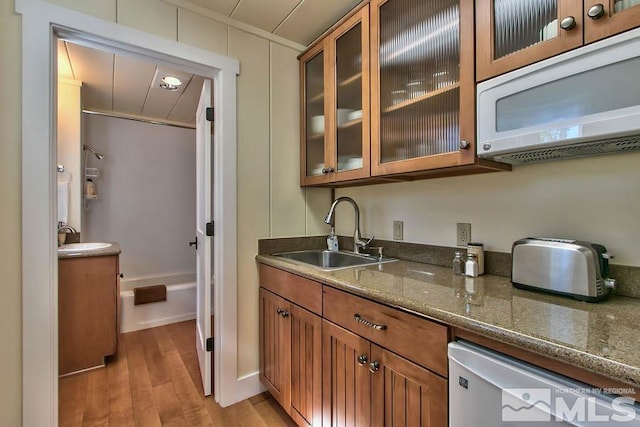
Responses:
[569,267]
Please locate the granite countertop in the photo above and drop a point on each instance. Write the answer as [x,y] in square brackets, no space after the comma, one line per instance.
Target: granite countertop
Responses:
[114,249]
[599,337]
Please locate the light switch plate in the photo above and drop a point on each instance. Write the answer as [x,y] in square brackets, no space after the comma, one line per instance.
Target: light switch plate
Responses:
[398,230]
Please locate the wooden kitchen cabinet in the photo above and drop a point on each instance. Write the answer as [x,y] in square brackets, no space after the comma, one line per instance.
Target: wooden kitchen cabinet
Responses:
[366,385]
[405,394]
[88,295]
[422,85]
[275,346]
[335,105]
[513,33]
[291,344]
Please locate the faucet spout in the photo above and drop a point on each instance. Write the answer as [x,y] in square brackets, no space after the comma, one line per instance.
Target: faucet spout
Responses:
[358,243]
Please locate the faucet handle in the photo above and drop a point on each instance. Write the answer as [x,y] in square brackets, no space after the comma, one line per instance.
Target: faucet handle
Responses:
[364,244]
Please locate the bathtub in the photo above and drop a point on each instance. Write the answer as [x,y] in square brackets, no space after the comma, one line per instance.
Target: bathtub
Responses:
[179,306]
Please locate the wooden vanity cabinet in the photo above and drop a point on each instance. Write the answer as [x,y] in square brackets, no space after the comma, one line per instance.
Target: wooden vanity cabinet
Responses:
[88,295]
[291,343]
[513,33]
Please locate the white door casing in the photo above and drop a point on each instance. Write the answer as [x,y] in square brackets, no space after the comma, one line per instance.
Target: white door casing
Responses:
[41,22]
[203,242]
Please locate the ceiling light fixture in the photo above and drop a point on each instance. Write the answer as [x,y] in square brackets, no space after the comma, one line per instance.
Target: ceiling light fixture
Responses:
[170,83]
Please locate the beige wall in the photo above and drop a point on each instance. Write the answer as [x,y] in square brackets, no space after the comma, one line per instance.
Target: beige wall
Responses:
[595,199]
[10,158]
[267,121]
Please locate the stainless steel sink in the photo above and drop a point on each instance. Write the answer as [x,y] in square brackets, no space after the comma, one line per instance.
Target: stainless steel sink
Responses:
[331,260]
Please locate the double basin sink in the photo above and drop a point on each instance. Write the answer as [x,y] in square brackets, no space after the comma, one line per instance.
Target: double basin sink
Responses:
[331,260]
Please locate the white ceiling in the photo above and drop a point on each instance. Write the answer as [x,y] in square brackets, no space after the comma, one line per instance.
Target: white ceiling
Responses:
[124,85]
[301,21]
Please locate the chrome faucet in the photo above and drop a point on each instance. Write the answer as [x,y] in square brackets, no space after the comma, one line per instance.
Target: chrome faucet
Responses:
[358,243]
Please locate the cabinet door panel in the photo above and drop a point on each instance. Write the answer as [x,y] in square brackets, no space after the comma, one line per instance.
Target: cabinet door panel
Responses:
[314,120]
[423,91]
[275,347]
[306,367]
[515,33]
[346,382]
[87,327]
[350,79]
[405,394]
[619,16]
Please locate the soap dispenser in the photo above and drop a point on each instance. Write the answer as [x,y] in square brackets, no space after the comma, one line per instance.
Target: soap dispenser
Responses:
[332,240]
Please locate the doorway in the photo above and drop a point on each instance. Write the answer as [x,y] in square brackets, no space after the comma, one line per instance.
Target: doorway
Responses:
[41,24]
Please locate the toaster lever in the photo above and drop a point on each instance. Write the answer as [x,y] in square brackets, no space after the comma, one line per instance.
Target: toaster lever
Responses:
[610,283]
[607,256]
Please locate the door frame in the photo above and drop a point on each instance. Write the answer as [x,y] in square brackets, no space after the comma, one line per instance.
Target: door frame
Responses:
[41,23]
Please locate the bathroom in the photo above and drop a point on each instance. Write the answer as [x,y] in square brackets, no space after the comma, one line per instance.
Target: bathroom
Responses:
[128,150]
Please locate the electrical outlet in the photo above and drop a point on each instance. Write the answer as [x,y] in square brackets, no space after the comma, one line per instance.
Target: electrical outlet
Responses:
[464,233]
[398,230]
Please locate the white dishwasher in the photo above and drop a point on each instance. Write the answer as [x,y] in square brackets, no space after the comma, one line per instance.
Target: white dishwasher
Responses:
[489,389]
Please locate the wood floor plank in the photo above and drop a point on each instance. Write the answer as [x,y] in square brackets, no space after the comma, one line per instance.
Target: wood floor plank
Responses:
[120,402]
[144,410]
[72,394]
[123,393]
[156,364]
[96,407]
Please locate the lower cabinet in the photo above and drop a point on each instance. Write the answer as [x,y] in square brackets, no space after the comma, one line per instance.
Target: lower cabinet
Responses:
[331,369]
[366,385]
[290,357]
[88,312]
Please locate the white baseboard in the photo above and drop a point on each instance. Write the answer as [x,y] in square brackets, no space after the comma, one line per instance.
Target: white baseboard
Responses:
[248,386]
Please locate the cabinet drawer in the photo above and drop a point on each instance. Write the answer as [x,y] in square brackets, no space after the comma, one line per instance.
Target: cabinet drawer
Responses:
[304,292]
[419,340]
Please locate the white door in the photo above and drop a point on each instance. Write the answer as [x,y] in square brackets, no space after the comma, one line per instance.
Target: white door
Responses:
[203,242]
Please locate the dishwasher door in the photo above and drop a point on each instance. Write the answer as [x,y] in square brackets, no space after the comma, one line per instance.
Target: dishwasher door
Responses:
[488,389]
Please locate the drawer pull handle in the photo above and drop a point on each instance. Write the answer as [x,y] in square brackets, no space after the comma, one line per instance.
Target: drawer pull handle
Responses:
[369,323]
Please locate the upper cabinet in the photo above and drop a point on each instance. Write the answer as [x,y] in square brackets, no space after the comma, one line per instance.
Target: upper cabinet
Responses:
[515,33]
[422,85]
[335,104]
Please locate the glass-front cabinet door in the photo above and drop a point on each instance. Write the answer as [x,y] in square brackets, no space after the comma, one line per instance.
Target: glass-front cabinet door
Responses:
[514,33]
[314,148]
[335,105]
[604,18]
[422,85]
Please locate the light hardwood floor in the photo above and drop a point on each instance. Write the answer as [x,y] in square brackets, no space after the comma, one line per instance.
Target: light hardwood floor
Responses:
[155,380]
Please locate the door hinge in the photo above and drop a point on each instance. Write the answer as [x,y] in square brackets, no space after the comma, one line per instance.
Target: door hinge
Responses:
[209,229]
[210,114]
[210,344]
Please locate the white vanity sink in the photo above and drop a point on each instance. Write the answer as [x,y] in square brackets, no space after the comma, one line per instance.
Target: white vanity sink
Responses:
[83,247]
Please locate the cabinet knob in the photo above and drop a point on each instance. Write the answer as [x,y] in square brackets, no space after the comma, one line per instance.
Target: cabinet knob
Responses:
[596,11]
[568,23]
[328,170]
[282,312]
[464,144]
[362,359]
[374,367]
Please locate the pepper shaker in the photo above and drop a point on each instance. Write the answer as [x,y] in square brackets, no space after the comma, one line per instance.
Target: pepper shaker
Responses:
[458,264]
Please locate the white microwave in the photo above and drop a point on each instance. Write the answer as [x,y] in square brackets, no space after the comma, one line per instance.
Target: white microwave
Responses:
[583,102]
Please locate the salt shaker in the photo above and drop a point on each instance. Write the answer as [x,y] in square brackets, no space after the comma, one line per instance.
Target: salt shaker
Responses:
[478,250]
[458,264]
[471,266]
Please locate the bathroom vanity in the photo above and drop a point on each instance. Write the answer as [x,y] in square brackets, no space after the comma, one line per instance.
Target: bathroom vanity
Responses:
[88,308]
